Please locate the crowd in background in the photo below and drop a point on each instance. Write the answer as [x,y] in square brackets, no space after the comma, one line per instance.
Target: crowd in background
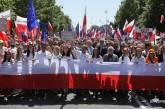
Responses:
[92,50]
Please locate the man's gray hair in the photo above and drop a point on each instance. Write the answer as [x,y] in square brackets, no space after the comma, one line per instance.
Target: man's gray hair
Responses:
[110,47]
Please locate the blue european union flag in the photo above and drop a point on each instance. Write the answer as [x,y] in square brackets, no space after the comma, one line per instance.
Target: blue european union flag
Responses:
[31,18]
[44,35]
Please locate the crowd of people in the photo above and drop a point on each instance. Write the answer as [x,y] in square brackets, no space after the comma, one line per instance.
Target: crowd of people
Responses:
[90,50]
[98,50]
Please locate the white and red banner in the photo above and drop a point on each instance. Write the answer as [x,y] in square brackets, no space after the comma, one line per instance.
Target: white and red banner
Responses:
[75,74]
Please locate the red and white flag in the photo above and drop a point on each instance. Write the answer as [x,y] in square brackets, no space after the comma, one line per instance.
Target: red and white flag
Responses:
[7,15]
[50,27]
[117,34]
[5,38]
[141,37]
[125,25]
[33,34]
[129,27]
[162,19]
[153,36]
[84,25]
[98,34]
[133,33]
[93,33]
[21,27]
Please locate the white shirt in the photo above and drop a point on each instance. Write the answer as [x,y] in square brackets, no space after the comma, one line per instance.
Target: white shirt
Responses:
[14,51]
[95,60]
[57,56]
[80,55]
[90,50]
[28,58]
[40,55]
[140,60]
[125,60]
[2,51]
[43,58]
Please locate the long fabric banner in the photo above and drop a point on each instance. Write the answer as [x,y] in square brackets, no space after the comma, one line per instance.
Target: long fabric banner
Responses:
[76,74]
[65,66]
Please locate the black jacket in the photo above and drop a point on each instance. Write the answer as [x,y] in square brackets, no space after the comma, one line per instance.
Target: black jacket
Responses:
[160,58]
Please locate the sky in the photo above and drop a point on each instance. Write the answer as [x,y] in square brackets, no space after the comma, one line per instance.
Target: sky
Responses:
[97,10]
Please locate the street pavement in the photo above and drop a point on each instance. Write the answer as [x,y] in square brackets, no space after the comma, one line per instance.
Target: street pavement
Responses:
[54,100]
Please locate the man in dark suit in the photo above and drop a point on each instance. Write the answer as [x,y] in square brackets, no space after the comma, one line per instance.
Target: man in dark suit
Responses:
[102,47]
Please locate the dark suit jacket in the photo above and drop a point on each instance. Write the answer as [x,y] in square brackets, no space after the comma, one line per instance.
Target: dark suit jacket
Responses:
[160,58]
[103,50]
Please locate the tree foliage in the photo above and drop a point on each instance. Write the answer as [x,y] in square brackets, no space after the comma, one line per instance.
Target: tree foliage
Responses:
[127,10]
[46,10]
[145,12]
[151,14]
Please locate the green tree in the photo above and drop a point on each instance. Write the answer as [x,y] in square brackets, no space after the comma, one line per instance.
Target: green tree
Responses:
[151,14]
[145,12]
[46,10]
[127,10]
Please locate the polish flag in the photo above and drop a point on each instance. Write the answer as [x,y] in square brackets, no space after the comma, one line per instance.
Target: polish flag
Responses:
[93,33]
[125,25]
[117,34]
[133,33]
[129,27]
[7,15]
[5,38]
[84,25]
[152,38]
[97,34]
[162,19]
[142,37]
[21,27]
[50,27]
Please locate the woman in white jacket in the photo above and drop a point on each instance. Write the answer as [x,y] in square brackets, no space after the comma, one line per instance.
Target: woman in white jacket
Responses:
[82,55]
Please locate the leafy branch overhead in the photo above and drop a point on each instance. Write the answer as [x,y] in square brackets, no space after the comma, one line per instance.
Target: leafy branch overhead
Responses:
[46,10]
[145,12]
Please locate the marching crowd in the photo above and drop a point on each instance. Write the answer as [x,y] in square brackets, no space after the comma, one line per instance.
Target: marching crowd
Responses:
[90,50]
[102,50]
